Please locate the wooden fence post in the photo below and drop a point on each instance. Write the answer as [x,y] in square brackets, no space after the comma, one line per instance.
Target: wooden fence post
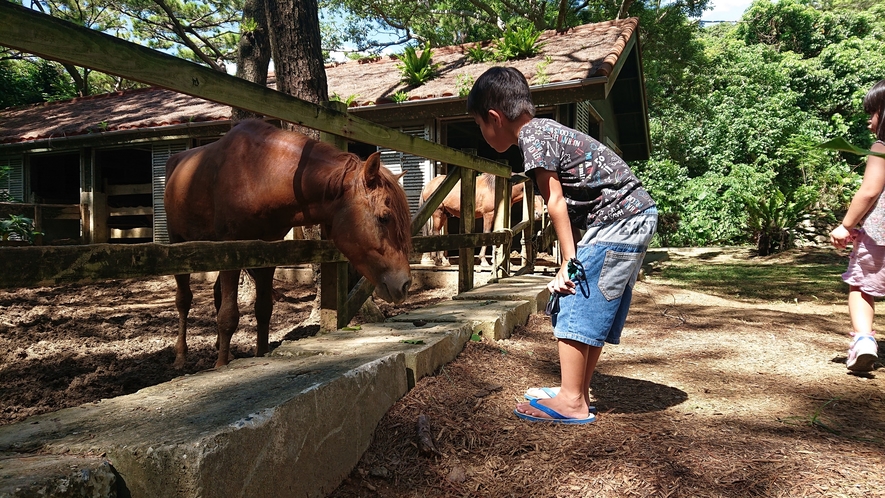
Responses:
[501,254]
[333,276]
[468,207]
[528,214]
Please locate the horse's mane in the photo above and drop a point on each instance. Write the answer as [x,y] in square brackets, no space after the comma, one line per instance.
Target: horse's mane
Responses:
[399,207]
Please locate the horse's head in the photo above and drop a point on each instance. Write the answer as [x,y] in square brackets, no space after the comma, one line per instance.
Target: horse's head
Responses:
[373,229]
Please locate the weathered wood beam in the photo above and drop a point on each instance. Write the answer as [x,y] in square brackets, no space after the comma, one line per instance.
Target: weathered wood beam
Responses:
[468,205]
[426,211]
[52,265]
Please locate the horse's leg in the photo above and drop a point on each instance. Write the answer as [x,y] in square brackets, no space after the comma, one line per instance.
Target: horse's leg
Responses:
[183,299]
[263,306]
[228,314]
[216,296]
[439,218]
[487,220]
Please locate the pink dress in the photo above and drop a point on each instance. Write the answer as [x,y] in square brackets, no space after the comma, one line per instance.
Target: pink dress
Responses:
[866,265]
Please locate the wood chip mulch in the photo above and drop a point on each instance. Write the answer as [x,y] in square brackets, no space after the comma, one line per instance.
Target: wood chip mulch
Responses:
[705,397]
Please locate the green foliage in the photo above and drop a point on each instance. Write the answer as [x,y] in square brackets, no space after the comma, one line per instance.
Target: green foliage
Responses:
[541,76]
[777,222]
[417,69]
[518,43]
[350,99]
[465,83]
[18,228]
[477,53]
[31,81]
[399,97]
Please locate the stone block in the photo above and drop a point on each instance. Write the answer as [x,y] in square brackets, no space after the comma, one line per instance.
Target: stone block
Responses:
[491,319]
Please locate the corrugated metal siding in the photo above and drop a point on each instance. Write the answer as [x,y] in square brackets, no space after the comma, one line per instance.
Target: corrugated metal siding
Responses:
[418,169]
[160,154]
[14,186]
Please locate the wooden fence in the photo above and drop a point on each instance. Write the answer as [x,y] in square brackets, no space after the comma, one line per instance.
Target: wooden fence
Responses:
[55,39]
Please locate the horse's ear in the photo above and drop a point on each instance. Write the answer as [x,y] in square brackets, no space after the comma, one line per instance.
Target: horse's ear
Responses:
[371,170]
[397,177]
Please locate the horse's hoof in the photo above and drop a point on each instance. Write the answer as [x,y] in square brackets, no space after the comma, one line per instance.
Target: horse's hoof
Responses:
[179,363]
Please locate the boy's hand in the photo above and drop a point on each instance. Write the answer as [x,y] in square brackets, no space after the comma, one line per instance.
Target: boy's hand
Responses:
[841,236]
[561,283]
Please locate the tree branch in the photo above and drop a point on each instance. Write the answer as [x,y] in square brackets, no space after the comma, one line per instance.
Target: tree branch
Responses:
[178,29]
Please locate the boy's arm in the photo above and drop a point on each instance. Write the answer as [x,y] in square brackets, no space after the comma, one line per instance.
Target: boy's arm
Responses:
[551,190]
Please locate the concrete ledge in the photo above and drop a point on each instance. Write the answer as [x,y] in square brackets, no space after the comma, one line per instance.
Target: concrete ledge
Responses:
[531,287]
[227,432]
[56,476]
[491,319]
[426,347]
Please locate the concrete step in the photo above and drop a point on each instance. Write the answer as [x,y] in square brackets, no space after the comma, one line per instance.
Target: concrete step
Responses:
[291,424]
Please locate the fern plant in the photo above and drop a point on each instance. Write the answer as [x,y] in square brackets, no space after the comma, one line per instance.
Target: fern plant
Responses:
[777,222]
[465,83]
[477,54]
[399,97]
[350,99]
[518,43]
[18,228]
[417,69]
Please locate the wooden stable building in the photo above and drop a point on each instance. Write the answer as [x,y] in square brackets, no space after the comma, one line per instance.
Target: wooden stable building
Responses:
[104,156]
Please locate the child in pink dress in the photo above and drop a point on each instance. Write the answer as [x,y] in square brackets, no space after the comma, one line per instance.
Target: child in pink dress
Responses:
[866,266]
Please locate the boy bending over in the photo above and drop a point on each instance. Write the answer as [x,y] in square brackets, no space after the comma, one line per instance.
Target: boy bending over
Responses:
[603,219]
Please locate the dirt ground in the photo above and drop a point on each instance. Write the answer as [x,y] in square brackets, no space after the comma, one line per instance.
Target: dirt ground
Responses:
[73,344]
[705,396]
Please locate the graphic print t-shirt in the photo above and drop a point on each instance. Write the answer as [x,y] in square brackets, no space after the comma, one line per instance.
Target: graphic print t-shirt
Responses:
[598,186]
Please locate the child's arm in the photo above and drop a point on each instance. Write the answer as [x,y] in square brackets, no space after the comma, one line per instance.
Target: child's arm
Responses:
[551,190]
[864,200]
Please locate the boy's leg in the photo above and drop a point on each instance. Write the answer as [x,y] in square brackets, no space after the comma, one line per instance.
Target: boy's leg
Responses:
[590,367]
[572,401]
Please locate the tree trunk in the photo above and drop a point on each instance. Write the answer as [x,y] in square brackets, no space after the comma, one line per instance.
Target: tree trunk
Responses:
[294,28]
[253,55]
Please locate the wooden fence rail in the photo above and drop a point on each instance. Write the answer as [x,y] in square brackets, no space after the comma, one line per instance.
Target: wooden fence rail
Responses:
[37,266]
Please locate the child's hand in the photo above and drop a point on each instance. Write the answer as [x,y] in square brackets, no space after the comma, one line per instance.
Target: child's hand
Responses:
[561,284]
[841,236]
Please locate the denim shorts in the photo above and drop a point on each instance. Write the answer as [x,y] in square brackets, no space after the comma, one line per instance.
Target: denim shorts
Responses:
[611,257]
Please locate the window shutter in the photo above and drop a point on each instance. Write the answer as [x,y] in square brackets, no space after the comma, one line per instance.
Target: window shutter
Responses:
[160,154]
[14,186]
[418,169]
[582,117]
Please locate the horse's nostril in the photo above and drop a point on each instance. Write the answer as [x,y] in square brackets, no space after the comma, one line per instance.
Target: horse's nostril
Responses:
[406,287]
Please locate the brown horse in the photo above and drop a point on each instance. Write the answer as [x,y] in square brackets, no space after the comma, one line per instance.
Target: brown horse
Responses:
[484,207]
[256,183]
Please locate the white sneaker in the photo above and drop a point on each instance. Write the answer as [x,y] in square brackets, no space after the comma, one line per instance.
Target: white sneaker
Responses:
[863,353]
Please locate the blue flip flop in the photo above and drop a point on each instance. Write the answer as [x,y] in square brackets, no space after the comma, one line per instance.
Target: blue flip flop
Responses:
[557,418]
[546,393]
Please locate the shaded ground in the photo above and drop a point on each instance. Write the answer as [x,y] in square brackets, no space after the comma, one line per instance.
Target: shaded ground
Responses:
[68,345]
[729,382]
[707,396]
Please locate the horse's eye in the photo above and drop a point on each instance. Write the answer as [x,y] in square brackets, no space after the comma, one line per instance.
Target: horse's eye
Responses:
[384,219]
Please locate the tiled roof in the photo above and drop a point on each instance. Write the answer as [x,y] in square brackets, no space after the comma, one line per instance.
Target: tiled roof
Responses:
[583,52]
[144,108]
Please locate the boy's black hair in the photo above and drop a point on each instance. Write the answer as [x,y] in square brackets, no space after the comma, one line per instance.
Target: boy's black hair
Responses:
[503,89]
[874,103]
